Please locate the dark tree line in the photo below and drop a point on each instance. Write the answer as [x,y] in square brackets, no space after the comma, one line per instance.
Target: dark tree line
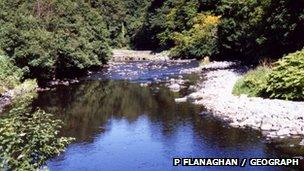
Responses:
[247,30]
[48,39]
[57,38]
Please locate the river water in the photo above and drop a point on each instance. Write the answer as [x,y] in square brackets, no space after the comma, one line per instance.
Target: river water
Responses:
[121,124]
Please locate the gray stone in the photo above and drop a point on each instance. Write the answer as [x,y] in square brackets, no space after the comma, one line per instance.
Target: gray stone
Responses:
[302,143]
[175,87]
[181,100]
[195,96]
[266,127]
[283,132]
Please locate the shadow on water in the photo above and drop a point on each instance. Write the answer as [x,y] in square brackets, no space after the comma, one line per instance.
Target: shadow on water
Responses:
[120,125]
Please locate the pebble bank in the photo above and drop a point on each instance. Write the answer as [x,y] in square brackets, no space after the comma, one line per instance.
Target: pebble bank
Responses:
[275,118]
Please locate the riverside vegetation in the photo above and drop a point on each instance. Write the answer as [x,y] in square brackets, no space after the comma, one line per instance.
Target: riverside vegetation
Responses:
[46,40]
[284,81]
[28,137]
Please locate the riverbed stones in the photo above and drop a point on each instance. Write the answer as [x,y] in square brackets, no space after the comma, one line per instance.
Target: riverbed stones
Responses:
[143,84]
[275,118]
[121,55]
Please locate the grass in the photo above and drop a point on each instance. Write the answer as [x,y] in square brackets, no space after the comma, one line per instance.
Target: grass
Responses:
[253,82]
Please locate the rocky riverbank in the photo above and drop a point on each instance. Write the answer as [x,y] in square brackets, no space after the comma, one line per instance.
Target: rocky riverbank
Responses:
[275,118]
[132,55]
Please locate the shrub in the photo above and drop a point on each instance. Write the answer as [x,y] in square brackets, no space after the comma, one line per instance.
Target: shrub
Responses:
[253,83]
[27,86]
[28,139]
[286,80]
[9,74]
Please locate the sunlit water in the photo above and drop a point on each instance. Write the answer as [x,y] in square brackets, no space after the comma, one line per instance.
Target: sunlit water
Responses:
[120,125]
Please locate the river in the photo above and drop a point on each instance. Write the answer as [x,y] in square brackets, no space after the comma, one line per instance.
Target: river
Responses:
[120,123]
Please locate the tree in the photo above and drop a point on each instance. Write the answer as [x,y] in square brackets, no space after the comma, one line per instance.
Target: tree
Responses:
[53,38]
[250,30]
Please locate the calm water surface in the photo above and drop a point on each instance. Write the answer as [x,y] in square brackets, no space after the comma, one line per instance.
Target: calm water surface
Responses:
[120,125]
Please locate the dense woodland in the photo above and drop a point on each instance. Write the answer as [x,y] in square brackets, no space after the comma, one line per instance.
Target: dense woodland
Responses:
[49,39]
[54,38]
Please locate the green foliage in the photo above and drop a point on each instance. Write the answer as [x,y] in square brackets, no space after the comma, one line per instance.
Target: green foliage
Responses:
[162,20]
[286,80]
[47,37]
[199,41]
[245,31]
[123,18]
[27,138]
[27,86]
[253,29]
[57,38]
[252,83]
[10,76]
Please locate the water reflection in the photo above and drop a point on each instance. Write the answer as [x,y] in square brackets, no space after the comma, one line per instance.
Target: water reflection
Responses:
[86,108]
[139,128]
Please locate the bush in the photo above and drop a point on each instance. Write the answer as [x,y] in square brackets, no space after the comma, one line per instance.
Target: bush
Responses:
[10,75]
[27,86]
[28,139]
[253,83]
[286,80]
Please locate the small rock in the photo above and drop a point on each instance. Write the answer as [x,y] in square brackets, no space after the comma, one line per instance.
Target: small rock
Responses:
[175,87]
[66,83]
[302,143]
[143,84]
[235,124]
[181,100]
[74,81]
[283,132]
[205,113]
[266,127]
[195,96]
[192,88]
